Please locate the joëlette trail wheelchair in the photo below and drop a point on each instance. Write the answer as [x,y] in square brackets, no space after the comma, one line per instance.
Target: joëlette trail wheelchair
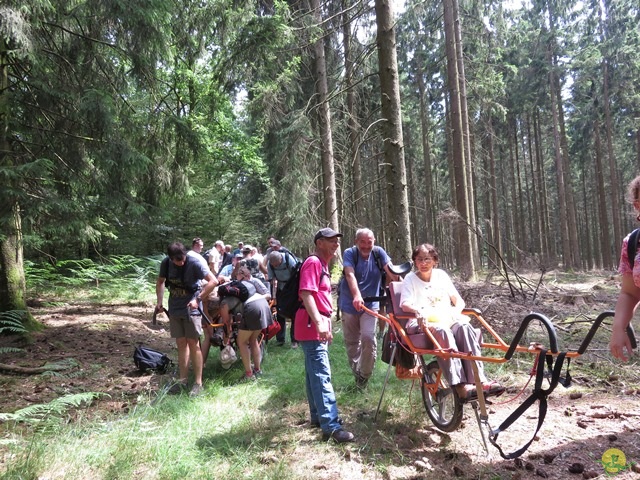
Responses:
[442,403]
[220,334]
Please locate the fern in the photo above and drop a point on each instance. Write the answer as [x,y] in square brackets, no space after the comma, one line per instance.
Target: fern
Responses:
[36,414]
[13,321]
[64,364]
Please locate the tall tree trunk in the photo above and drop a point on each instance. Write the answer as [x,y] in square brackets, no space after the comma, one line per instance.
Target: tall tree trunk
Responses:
[398,225]
[548,247]
[560,174]
[466,132]
[426,154]
[535,191]
[324,125]
[605,239]
[572,215]
[464,252]
[496,233]
[353,127]
[13,288]
[614,189]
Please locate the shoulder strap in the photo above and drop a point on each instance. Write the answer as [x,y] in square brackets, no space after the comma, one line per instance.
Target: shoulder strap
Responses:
[378,258]
[632,246]
[355,253]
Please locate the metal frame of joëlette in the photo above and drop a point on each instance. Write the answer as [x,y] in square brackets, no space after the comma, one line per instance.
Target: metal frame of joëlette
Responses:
[497,344]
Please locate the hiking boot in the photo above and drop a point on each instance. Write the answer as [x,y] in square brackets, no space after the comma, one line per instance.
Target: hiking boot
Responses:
[177,388]
[361,382]
[316,424]
[196,390]
[338,436]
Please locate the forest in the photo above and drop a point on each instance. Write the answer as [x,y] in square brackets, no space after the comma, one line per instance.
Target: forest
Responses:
[504,133]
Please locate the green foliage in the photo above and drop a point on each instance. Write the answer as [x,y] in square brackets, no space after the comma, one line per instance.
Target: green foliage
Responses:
[119,276]
[49,413]
[12,322]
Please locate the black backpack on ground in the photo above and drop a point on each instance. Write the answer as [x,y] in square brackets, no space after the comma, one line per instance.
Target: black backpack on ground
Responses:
[146,358]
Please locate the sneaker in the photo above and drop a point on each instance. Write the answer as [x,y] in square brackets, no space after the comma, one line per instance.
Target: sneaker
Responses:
[257,373]
[338,436]
[294,344]
[361,382]
[316,424]
[177,388]
[280,343]
[196,390]
[247,379]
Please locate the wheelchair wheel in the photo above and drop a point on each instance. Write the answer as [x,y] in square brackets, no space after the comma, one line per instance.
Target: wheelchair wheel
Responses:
[443,407]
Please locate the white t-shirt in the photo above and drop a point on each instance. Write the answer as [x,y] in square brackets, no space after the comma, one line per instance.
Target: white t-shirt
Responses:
[433,298]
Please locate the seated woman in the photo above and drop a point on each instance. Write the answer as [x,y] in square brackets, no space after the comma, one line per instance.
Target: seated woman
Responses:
[430,293]
[256,315]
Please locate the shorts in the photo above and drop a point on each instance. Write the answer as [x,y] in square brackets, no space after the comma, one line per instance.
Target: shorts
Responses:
[183,326]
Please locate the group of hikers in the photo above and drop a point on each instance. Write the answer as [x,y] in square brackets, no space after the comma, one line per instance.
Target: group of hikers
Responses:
[427,292]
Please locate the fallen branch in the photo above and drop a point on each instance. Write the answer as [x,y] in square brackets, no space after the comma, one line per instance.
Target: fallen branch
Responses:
[33,370]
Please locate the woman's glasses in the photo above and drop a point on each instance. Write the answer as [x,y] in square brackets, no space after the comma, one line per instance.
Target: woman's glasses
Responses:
[424,259]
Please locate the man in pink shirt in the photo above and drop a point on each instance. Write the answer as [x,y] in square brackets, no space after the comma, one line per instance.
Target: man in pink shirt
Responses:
[313,330]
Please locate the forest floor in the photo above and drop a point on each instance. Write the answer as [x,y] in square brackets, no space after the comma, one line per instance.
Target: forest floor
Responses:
[600,412]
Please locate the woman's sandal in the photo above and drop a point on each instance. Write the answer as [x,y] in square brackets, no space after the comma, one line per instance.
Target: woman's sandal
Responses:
[492,389]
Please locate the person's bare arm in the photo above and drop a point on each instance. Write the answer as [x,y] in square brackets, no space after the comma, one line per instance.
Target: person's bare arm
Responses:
[625,306]
[350,277]
[159,293]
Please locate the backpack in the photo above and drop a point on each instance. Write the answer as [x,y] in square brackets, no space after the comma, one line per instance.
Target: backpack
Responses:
[287,300]
[632,246]
[234,289]
[171,285]
[146,358]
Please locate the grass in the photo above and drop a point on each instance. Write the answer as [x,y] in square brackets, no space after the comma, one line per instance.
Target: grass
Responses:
[226,433]
[233,430]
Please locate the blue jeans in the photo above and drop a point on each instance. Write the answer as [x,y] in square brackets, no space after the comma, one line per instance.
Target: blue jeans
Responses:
[320,395]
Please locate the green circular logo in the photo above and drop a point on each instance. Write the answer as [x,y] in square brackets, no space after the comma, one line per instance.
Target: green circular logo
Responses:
[614,460]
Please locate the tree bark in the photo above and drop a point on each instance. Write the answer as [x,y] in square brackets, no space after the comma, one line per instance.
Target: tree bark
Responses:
[324,125]
[464,252]
[466,133]
[12,280]
[426,154]
[398,224]
[353,128]
[614,191]
[605,238]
